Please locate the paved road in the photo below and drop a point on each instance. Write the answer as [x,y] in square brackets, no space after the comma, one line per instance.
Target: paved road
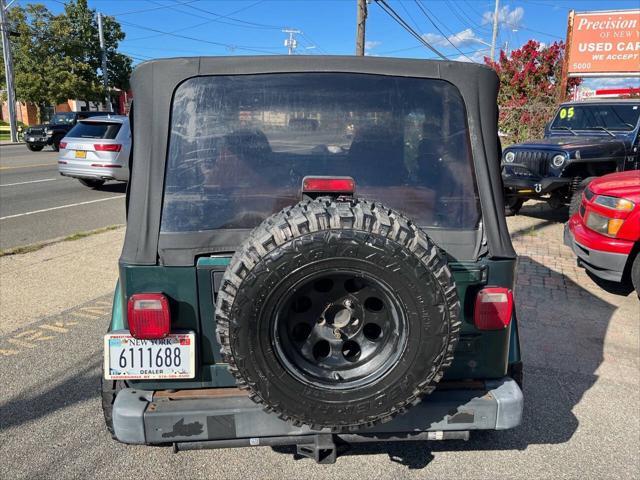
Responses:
[37,204]
[581,348]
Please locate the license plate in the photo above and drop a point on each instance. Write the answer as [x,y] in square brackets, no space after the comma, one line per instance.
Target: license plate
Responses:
[31,139]
[81,154]
[128,358]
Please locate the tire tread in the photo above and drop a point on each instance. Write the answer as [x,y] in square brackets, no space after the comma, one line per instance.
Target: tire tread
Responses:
[310,216]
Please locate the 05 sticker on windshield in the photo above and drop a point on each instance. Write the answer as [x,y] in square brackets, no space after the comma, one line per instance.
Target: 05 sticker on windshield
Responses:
[566,113]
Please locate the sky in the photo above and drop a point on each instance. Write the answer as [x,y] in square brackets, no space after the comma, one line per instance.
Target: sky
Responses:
[459,29]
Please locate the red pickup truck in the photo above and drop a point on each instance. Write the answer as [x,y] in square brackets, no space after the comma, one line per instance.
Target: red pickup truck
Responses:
[605,232]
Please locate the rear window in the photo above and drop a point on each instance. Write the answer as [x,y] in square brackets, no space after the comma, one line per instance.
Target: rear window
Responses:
[101,130]
[240,146]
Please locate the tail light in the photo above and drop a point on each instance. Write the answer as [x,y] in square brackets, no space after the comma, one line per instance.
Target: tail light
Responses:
[107,147]
[493,309]
[148,315]
[63,144]
[344,185]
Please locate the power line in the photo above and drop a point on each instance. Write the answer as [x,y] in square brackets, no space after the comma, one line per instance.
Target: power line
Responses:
[243,23]
[143,10]
[202,40]
[406,49]
[519,27]
[190,27]
[424,10]
[398,19]
[140,58]
[406,10]
[469,21]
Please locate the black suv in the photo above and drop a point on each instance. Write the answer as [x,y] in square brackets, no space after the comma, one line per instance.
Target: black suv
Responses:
[38,136]
[584,140]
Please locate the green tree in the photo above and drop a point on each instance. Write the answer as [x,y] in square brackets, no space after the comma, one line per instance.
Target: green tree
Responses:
[57,57]
[31,48]
[530,82]
[77,30]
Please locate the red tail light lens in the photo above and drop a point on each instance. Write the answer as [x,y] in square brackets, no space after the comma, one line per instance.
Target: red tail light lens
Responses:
[107,147]
[63,144]
[328,185]
[148,315]
[494,307]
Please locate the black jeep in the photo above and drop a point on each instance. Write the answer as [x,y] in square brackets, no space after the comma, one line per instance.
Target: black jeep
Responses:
[39,136]
[584,140]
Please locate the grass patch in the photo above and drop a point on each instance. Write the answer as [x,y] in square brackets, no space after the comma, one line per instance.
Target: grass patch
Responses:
[69,238]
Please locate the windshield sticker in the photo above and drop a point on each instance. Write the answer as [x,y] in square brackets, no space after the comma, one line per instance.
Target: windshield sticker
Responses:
[566,113]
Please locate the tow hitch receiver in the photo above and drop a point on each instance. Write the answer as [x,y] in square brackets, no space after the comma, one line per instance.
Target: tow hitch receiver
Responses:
[323,447]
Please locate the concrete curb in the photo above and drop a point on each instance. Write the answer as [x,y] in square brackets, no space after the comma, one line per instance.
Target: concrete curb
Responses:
[2,144]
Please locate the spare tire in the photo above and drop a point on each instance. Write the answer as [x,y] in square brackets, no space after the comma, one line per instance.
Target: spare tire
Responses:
[338,314]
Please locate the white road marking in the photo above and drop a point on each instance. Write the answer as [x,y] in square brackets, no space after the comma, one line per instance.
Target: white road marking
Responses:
[61,206]
[30,181]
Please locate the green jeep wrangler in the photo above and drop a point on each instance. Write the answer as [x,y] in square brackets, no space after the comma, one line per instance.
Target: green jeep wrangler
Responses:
[279,285]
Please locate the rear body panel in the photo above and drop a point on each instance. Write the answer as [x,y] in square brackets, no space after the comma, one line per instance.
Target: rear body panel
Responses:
[191,292]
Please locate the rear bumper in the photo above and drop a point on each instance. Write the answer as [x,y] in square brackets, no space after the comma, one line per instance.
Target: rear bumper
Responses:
[147,417]
[603,264]
[94,173]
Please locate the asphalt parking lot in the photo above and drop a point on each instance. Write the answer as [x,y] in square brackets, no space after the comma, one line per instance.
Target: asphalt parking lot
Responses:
[581,348]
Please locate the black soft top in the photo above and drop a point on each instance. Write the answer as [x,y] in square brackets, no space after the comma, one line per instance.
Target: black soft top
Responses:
[154,82]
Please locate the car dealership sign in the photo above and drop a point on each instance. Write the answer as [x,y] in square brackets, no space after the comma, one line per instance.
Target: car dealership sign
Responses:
[604,43]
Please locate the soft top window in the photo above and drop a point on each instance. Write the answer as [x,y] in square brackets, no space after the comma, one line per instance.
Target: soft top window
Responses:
[240,146]
[101,130]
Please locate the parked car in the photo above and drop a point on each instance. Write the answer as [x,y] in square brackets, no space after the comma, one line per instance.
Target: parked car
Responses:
[272,293]
[304,123]
[584,140]
[605,231]
[96,150]
[39,136]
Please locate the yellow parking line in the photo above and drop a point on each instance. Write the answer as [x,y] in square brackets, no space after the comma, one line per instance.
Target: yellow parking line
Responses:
[30,166]
[80,313]
[96,310]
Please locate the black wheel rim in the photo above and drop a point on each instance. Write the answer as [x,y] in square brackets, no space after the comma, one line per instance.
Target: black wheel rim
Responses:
[339,329]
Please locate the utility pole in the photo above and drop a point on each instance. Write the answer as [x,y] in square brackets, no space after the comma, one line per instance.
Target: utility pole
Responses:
[105,75]
[8,70]
[564,80]
[494,34]
[360,26]
[291,43]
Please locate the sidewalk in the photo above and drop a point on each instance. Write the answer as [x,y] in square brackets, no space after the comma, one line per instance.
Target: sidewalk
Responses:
[57,277]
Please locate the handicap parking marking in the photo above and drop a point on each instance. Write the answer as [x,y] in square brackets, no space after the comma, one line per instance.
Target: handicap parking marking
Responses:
[48,330]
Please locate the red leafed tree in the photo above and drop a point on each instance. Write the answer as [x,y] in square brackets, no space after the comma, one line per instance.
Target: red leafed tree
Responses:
[530,80]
